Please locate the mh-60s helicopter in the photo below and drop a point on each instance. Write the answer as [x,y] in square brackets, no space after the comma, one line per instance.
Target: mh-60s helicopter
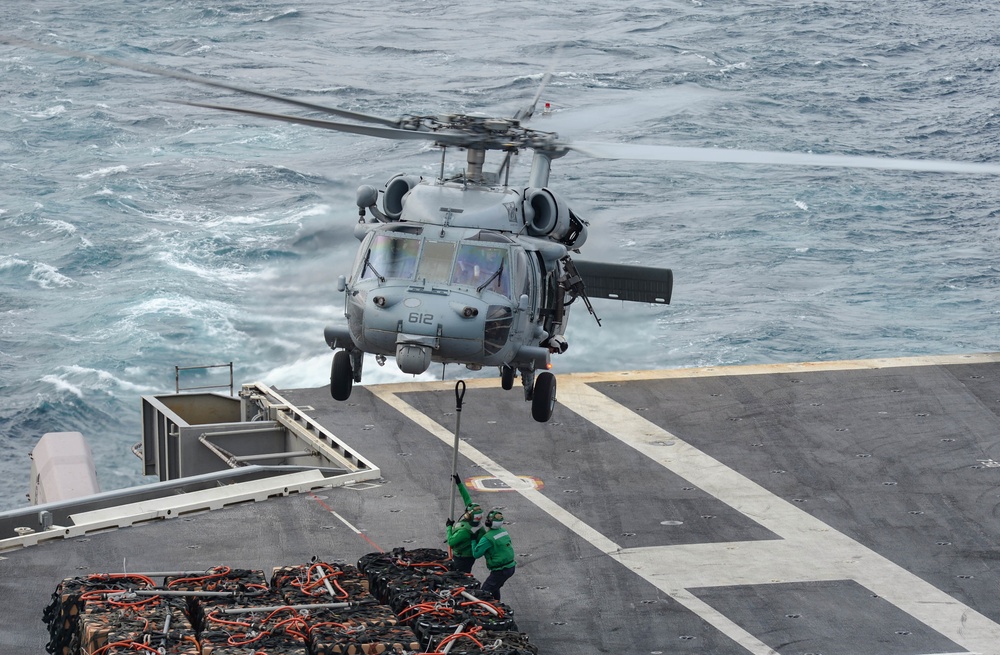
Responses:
[470,269]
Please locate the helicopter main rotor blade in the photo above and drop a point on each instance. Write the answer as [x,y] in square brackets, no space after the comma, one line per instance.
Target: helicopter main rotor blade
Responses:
[445,138]
[198,79]
[525,113]
[726,156]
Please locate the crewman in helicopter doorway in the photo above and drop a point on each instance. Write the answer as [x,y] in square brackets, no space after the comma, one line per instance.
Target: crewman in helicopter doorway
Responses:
[499,552]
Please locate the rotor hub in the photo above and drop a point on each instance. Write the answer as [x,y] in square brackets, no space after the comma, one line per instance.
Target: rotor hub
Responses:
[483,132]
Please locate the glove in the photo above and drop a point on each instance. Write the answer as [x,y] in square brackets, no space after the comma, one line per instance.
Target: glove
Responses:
[457,479]
[449,523]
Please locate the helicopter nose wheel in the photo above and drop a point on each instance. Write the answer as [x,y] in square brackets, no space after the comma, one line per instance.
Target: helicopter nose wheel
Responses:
[543,397]
[506,377]
[341,375]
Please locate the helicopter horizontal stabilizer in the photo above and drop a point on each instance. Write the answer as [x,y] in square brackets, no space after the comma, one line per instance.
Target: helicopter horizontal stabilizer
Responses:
[626,282]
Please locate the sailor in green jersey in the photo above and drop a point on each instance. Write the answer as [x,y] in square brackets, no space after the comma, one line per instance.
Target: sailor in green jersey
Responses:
[465,533]
[499,552]
[466,498]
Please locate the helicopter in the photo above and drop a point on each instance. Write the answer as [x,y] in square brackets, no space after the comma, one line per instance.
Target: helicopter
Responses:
[468,268]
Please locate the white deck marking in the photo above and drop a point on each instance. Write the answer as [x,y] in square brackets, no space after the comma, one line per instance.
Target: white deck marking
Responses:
[346,522]
[808,549]
[584,531]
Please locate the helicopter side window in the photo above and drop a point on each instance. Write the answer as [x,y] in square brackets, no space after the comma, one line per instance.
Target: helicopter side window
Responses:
[391,257]
[479,265]
[435,262]
[521,276]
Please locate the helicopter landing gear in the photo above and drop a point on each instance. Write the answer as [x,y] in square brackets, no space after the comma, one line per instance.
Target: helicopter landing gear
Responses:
[345,372]
[543,397]
[341,376]
[506,377]
[541,393]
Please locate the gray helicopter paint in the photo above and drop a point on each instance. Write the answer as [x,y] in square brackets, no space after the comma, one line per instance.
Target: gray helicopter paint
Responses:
[463,206]
[448,319]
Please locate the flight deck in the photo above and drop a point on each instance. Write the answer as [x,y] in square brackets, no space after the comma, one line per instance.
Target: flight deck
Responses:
[824,508]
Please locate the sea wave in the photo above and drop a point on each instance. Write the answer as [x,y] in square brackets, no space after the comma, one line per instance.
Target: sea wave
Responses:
[103,172]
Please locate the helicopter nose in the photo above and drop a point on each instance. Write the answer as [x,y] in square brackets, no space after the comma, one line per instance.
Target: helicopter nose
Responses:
[412,358]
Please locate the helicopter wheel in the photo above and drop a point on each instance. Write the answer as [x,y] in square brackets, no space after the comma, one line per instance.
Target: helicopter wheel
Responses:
[506,377]
[341,376]
[543,398]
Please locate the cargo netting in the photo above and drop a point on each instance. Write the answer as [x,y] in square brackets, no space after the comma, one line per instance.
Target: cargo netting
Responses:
[403,602]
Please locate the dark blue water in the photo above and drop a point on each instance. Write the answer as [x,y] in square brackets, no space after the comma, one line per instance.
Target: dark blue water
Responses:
[136,235]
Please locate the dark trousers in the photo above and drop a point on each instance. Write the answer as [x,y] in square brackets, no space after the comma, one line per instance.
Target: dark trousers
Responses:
[463,564]
[496,580]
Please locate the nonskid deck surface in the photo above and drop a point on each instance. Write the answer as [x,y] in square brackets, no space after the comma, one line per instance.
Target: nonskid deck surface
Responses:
[818,508]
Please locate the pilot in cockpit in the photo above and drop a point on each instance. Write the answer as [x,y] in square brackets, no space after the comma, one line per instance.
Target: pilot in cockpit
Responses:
[475,265]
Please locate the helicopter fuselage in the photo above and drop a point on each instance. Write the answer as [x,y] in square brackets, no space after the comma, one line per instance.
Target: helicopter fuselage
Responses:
[448,295]
[446,274]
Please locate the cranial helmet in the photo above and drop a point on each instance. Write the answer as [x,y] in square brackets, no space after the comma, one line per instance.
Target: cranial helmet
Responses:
[474,513]
[494,519]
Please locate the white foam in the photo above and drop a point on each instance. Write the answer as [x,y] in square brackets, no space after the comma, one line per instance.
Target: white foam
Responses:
[48,277]
[287,12]
[103,172]
[44,275]
[314,210]
[303,373]
[732,67]
[315,372]
[223,275]
[62,385]
[175,305]
[50,112]
[60,226]
[7,261]
[106,379]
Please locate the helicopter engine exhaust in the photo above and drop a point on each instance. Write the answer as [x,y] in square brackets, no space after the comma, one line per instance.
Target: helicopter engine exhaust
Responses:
[395,191]
[547,215]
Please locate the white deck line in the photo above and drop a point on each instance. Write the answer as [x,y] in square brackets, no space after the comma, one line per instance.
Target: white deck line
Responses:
[584,531]
[706,371]
[809,550]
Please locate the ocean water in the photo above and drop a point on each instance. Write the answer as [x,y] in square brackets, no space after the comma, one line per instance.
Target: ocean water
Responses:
[137,235]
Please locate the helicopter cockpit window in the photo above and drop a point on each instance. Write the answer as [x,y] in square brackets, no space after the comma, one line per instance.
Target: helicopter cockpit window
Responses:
[435,262]
[477,266]
[520,272]
[391,256]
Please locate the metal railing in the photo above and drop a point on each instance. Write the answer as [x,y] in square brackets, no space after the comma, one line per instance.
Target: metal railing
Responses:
[177,378]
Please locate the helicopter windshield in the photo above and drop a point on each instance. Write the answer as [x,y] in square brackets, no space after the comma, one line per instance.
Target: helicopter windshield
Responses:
[435,261]
[391,256]
[482,267]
